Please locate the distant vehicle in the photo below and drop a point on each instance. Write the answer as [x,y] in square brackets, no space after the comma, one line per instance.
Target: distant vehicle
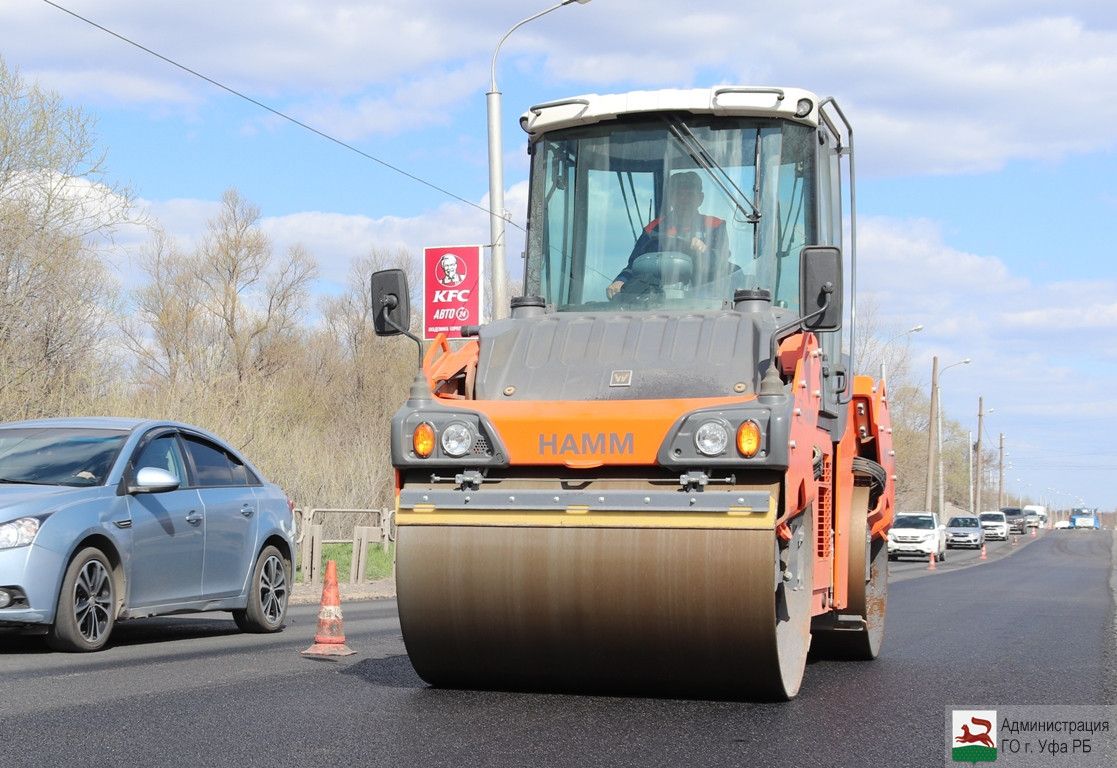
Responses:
[109,519]
[964,531]
[917,533]
[1017,520]
[1062,525]
[995,525]
[1036,515]
[1081,517]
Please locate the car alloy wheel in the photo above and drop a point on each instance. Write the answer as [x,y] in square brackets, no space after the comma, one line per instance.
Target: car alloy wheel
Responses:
[93,601]
[273,589]
[268,595]
[86,610]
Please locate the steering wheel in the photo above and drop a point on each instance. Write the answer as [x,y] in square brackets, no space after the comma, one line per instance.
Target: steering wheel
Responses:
[659,268]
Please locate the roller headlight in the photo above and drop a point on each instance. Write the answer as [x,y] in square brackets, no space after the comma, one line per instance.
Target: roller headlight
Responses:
[711,438]
[457,439]
[18,533]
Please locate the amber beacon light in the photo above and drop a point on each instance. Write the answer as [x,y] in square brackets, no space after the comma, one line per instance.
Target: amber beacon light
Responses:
[748,439]
[422,440]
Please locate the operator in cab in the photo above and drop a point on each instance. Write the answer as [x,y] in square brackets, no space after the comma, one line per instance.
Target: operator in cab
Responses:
[683,229]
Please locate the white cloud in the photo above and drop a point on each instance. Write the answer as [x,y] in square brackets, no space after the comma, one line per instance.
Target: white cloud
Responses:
[943,87]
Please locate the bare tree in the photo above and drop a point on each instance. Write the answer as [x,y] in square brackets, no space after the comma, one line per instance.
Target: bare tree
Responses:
[57,299]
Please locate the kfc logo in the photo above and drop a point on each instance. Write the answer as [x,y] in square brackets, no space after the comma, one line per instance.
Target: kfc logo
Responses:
[450,270]
[453,289]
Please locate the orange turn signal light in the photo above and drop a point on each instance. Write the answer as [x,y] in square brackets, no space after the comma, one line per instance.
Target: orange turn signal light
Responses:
[748,439]
[422,440]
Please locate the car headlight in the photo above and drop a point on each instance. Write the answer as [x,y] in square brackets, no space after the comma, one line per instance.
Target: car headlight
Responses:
[711,438]
[18,533]
[929,536]
[457,439]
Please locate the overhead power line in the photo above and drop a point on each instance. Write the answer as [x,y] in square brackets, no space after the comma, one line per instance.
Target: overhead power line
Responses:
[274,111]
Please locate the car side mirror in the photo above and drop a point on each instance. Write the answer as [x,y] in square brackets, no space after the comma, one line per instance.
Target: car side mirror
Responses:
[820,287]
[153,480]
[391,311]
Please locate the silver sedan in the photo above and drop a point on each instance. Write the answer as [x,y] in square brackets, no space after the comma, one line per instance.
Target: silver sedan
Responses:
[110,519]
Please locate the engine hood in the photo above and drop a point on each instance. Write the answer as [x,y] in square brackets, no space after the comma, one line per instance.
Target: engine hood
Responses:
[18,501]
[623,356]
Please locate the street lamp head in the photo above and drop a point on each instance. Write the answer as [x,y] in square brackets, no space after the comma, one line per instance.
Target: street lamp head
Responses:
[579,2]
[915,329]
[966,361]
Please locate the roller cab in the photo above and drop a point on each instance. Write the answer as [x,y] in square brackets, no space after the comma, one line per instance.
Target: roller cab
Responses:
[658,475]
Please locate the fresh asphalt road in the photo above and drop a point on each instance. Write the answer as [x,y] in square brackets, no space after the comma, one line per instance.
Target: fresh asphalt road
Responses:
[1031,625]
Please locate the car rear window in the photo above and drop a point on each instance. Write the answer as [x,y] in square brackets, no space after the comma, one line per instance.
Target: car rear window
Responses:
[216,466]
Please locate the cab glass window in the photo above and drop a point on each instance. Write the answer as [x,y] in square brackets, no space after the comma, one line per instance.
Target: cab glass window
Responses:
[162,453]
[211,463]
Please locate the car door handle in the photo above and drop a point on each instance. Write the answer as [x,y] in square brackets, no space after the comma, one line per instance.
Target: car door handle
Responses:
[247,510]
[193,518]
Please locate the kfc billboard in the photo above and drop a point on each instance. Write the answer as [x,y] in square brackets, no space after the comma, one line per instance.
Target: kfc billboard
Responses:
[452,289]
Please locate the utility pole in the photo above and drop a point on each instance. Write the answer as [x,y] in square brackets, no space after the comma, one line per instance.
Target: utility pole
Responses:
[977,459]
[932,432]
[969,450]
[1001,475]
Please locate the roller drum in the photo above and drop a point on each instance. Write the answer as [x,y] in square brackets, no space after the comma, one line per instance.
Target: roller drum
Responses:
[710,613]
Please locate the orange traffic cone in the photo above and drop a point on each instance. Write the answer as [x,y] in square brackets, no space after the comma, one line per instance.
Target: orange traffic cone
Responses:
[1014,539]
[982,553]
[931,561]
[330,639]
[1033,533]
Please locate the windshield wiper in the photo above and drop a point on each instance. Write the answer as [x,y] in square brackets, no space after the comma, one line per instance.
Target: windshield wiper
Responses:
[701,155]
[11,481]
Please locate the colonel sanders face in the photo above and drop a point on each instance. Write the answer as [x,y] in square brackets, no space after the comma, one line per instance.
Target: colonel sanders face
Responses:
[452,274]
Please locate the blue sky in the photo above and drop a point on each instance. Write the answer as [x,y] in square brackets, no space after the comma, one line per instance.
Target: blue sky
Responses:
[986,138]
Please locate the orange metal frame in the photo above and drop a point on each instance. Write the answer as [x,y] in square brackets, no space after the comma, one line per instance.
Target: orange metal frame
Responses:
[868,434]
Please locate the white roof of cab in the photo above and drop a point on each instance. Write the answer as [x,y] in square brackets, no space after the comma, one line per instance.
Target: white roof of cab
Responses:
[731,100]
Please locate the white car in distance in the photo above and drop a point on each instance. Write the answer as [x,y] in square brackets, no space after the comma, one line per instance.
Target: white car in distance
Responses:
[918,534]
[995,525]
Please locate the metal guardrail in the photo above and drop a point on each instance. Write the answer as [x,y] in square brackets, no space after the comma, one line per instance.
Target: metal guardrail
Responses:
[311,537]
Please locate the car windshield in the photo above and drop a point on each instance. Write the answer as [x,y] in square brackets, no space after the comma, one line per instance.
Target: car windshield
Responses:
[963,522]
[993,517]
[1012,512]
[671,213]
[911,521]
[58,455]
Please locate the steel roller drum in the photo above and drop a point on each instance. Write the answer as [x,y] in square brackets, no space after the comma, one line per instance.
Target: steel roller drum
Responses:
[703,613]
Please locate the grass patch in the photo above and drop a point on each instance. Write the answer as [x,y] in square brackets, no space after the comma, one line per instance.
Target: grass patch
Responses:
[378,564]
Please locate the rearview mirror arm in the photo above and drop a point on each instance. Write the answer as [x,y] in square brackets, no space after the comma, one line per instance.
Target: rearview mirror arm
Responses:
[391,301]
[772,384]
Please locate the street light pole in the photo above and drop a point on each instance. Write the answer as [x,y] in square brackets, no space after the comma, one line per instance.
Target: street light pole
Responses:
[1001,474]
[498,278]
[887,344]
[931,434]
[938,421]
[977,458]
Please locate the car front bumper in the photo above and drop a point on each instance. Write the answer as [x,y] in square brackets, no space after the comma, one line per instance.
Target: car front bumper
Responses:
[36,572]
[923,548]
[964,541]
